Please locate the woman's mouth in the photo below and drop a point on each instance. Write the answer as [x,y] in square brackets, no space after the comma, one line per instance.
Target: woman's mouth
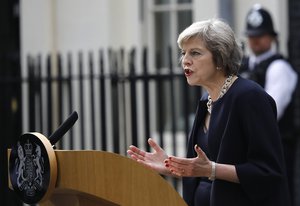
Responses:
[188,72]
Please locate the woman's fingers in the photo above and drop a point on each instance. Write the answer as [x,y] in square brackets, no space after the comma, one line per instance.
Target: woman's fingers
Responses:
[178,173]
[153,160]
[175,168]
[188,166]
[154,145]
[179,160]
[133,156]
[200,153]
[142,153]
[136,153]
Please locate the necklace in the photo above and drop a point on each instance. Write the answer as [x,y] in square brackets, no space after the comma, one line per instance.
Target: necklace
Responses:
[224,89]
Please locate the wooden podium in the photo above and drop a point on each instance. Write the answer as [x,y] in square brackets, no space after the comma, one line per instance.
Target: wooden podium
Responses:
[100,178]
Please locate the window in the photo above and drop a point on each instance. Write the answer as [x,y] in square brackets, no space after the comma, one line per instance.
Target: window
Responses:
[168,18]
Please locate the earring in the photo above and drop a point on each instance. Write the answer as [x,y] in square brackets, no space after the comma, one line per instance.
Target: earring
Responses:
[218,68]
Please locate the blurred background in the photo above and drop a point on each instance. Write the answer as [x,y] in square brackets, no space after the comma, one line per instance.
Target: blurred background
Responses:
[115,63]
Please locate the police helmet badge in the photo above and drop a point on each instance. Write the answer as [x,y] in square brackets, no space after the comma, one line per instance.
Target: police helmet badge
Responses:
[255,18]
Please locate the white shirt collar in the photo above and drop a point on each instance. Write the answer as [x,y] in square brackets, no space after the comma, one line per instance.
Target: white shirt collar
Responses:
[254,60]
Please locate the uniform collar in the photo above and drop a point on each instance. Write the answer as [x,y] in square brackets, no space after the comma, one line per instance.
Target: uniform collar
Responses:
[254,60]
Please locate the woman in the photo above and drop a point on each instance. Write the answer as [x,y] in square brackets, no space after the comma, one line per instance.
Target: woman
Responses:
[234,152]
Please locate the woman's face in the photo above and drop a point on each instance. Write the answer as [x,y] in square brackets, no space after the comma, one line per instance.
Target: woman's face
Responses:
[197,62]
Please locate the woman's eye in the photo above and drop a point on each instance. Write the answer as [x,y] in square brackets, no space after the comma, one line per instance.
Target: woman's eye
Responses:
[194,53]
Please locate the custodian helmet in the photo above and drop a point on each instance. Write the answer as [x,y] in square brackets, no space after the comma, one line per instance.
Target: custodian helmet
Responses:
[259,22]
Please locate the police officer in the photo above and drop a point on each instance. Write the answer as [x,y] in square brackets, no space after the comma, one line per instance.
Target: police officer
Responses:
[269,69]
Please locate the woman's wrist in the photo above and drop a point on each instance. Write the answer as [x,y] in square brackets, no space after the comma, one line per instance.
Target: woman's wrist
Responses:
[212,176]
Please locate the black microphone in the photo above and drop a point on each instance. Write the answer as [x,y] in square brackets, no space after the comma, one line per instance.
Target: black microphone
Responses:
[63,128]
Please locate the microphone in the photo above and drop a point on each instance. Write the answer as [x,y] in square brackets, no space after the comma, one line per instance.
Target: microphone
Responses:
[63,128]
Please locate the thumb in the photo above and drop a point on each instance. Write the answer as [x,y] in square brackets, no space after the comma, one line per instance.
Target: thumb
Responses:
[199,151]
[154,145]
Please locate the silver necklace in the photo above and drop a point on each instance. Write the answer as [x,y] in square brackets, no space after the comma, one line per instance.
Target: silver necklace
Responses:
[224,89]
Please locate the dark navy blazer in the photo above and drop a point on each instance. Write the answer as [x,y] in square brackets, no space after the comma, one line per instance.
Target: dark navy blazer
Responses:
[243,132]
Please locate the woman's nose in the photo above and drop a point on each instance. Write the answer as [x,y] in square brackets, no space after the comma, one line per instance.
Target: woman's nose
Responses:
[186,60]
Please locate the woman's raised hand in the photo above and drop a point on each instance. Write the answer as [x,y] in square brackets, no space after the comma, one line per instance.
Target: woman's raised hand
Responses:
[154,160]
[199,166]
